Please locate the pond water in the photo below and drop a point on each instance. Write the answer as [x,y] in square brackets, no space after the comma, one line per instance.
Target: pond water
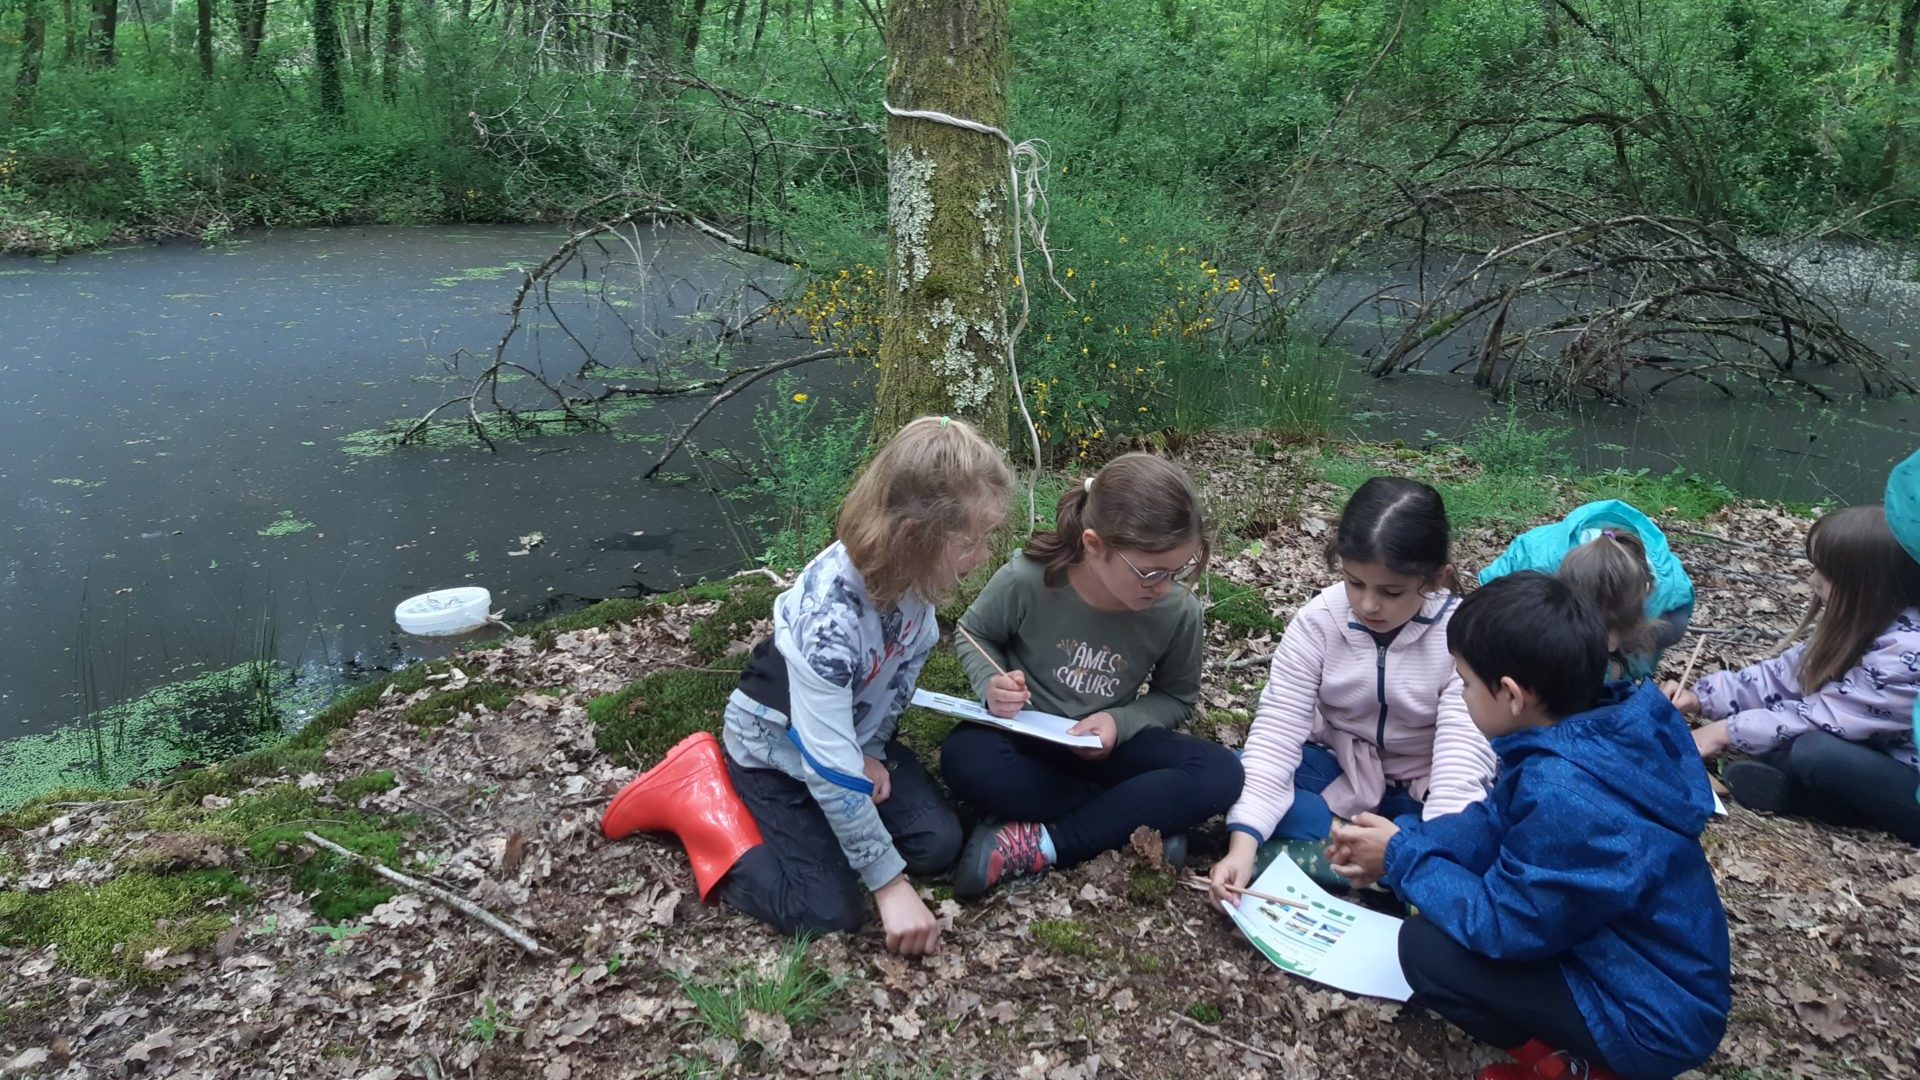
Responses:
[191,448]
[1787,445]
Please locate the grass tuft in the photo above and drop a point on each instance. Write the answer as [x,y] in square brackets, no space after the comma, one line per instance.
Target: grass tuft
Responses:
[792,988]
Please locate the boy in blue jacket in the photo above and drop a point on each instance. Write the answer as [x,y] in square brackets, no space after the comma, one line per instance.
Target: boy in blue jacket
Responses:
[1570,917]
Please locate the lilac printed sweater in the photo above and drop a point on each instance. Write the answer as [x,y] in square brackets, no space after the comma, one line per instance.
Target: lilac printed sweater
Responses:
[1765,708]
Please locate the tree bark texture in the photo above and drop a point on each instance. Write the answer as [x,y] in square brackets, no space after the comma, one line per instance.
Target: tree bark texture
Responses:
[943,341]
[68,22]
[390,61]
[696,17]
[106,27]
[250,22]
[203,40]
[33,43]
[1903,61]
[326,56]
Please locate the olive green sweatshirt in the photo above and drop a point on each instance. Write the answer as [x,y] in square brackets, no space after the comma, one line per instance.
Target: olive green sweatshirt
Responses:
[1079,660]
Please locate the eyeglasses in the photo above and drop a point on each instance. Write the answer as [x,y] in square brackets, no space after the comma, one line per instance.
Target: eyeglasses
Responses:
[1161,577]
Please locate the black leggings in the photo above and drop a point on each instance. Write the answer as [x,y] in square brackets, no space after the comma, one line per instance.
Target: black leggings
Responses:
[1502,1002]
[1849,784]
[1159,778]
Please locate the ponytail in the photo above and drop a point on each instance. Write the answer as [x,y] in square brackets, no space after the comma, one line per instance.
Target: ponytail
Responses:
[1138,502]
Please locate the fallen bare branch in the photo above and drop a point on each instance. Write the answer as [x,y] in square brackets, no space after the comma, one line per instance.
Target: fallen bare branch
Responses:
[1188,1021]
[458,903]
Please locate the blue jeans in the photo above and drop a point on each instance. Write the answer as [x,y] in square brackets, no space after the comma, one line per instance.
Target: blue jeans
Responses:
[1310,818]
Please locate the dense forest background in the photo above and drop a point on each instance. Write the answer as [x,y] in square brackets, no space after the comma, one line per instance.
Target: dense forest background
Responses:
[1201,153]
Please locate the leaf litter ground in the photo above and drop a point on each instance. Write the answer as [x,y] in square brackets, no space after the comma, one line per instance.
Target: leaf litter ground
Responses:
[1100,971]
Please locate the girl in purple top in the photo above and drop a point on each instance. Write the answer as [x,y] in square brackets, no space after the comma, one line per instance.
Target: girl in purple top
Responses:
[1827,723]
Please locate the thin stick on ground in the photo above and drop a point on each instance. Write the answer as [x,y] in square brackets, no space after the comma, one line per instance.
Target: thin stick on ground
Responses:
[1196,1025]
[458,903]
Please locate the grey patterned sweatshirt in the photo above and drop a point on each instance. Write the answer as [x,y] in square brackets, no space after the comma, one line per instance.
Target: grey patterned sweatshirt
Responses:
[826,691]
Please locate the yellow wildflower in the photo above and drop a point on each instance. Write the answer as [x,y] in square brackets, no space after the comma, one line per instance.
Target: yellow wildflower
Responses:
[799,399]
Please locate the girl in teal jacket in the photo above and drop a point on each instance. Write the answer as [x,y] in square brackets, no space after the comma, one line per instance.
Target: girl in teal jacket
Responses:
[1618,560]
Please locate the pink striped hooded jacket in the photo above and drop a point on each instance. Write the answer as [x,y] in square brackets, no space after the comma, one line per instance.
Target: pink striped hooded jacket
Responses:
[1388,713]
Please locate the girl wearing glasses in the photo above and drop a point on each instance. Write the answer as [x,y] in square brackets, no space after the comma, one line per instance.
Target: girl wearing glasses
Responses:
[1363,709]
[1087,618]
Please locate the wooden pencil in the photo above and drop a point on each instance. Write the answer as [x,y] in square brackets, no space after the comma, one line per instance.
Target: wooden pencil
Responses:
[1692,660]
[1202,883]
[984,654]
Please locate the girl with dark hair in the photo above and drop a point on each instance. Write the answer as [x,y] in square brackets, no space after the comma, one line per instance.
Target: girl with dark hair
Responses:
[1828,721]
[1091,622]
[1362,710]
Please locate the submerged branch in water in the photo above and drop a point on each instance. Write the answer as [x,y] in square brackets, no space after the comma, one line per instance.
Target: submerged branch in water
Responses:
[749,378]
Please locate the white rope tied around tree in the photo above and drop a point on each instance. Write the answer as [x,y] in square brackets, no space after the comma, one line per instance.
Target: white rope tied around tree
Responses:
[1028,211]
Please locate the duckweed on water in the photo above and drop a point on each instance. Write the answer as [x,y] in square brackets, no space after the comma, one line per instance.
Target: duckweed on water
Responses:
[286,525]
[458,434]
[476,274]
[205,718]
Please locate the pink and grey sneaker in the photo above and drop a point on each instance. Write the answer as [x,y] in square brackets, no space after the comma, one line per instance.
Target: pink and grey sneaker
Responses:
[998,853]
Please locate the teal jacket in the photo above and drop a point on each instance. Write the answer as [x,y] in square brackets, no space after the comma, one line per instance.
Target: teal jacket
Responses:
[1543,547]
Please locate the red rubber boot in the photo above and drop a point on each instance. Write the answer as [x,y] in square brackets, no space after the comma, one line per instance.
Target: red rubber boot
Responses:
[689,795]
[1538,1061]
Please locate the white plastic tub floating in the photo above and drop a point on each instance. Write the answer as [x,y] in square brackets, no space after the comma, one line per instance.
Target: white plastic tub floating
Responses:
[445,611]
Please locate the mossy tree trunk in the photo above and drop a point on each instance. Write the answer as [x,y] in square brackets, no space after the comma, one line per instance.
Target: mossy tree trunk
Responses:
[390,60]
[943,341]
[203,36]
[106,28]
[1904,51]
[326,57]
[33,41]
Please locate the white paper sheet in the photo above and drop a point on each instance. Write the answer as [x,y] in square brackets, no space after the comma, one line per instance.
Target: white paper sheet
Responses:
[1331,941]
[1037,724]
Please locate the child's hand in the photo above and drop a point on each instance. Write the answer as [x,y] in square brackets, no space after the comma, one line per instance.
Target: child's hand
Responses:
[1100,724]
[877,775]
[911,928]
[1712,740]
[1235,870]
[1683,699]
[1363,848]
[1008,694]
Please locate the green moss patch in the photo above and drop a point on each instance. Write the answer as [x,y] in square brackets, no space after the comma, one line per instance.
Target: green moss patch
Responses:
[1148,887]
[640,723]
[1240,608]
[1062,937]
[439,710]
[604,613]
[106,930]
[750,601]
[353,789]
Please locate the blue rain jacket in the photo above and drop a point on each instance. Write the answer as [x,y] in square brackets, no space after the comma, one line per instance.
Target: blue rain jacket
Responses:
[1587,852]
[1541,548]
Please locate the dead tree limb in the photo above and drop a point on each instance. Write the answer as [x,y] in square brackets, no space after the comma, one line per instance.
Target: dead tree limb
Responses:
[747,379]
[459,903]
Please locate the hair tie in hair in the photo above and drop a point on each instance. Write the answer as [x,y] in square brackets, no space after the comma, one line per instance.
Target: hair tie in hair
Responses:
[1088,485]
[1610,534]
[945,420]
